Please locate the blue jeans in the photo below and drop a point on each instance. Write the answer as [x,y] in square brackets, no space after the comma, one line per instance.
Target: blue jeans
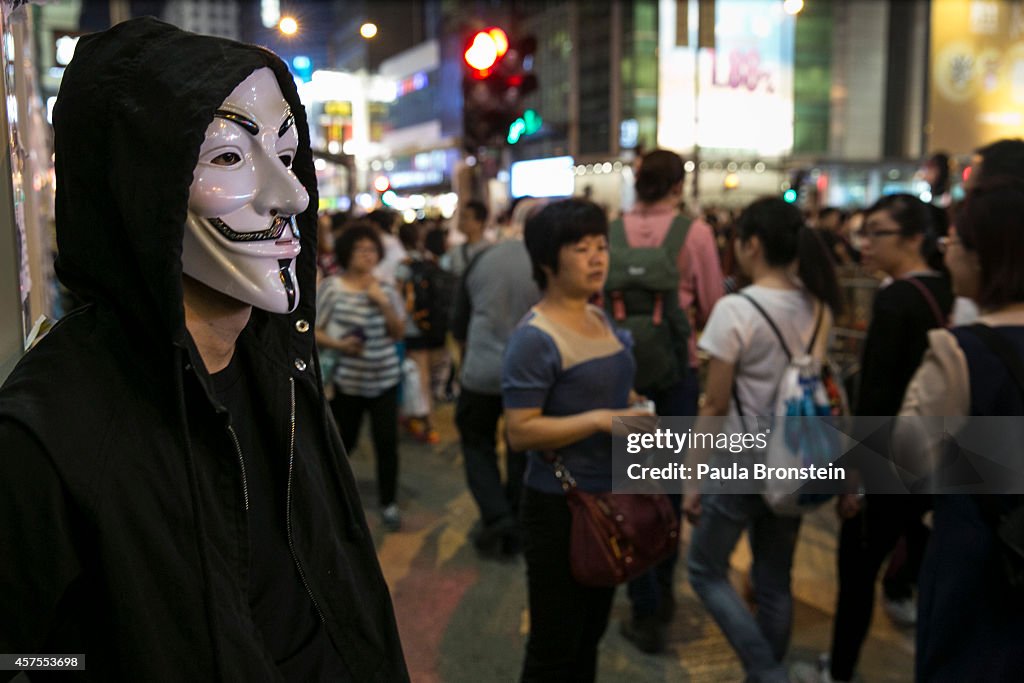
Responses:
[647,591]
[761,641]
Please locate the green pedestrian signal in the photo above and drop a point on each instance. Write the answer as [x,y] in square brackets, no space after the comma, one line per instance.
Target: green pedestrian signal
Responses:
[527,124]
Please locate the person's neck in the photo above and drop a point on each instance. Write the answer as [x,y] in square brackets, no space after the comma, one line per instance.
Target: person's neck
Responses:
[360,279]
[560,302]
[666,203]
[773,277]
[910,266]
[214,320]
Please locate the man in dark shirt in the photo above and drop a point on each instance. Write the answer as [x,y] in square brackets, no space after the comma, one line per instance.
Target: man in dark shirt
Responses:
[173,493]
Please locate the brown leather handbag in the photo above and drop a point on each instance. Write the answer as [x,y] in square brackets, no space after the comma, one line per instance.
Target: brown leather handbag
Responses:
[615,537]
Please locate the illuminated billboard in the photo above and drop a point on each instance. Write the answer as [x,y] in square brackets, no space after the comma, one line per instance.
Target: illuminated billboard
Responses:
[977,73]
[552,177]
[745,84]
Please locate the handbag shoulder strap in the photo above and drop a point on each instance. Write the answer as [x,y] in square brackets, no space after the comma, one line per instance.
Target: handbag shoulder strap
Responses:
[1002,349]
[562,472]
[940,317]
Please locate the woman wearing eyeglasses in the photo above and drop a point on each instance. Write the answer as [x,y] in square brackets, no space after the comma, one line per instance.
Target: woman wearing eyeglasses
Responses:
[971,622]
[898,238]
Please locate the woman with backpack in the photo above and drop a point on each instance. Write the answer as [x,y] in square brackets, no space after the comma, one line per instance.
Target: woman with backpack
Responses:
[793,296]
[655,221]
[970,615]
[898,238]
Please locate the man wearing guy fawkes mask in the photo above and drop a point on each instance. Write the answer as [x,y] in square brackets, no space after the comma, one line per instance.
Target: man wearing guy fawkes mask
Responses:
[174,497]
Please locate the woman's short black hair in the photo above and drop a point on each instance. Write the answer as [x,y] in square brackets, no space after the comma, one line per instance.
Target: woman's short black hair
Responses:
[356,231]
[556,225]
[990,222]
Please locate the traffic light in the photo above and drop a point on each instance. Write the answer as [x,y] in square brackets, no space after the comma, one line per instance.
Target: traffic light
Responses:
[497,74]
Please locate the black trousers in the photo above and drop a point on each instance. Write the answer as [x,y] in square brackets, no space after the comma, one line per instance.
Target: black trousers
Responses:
[476,416]
[864,542]
[567,619]
[348,413]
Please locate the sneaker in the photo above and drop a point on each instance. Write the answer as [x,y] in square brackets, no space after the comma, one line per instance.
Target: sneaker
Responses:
[391,517]
[646,633]
[901,612]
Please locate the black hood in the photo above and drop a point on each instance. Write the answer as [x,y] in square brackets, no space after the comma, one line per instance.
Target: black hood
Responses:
[129,120]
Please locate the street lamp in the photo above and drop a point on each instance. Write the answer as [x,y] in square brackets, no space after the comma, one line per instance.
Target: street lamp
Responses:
[288,26]
[368,30]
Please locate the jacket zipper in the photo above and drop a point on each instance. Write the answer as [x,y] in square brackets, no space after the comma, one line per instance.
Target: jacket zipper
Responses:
[241,464]
[288,505]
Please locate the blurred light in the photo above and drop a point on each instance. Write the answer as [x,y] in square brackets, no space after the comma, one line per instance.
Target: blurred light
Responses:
[409,215]
[66,49]
[288,26]
[448,202]
[732,181]
[503,176]
[381,183]
[789,195]
[301,62]
[759,167]
[333,146]
[364,200]
[793,7]
[731,167]
[926,197]
[375,165]
[320,164]
[389,197]
[50,101]
[500,41]
[516,130]
[417,201]
[689,166]
[617,166]
[486,49]
[270,13]
[894,174]
[966,174]
[606,167]
[389,165]
[368,30]
[471,161]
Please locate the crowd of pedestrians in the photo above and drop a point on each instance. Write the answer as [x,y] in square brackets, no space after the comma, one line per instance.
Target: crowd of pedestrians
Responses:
[540,368]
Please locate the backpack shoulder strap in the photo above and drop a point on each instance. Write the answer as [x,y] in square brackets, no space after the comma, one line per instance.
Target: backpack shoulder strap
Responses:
[1003,350]
[817,328]
[771,324]
[617,234]
[675,238]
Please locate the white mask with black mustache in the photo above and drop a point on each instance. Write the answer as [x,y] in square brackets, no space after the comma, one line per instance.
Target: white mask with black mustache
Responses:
[240,235]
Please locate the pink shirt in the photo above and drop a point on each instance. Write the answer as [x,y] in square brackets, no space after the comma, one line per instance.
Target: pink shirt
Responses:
[700,272]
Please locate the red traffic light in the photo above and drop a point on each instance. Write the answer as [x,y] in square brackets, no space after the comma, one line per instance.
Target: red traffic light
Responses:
[485,50]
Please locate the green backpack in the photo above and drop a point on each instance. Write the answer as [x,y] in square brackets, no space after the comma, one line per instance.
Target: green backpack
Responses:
[642,296]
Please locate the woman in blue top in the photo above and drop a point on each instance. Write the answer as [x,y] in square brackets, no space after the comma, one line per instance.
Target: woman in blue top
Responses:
[566,374]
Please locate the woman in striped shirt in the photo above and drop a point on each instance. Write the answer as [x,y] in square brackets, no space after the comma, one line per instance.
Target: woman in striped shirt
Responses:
[360,319]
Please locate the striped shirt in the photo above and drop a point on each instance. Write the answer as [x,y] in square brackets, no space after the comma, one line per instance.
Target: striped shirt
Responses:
[340,312]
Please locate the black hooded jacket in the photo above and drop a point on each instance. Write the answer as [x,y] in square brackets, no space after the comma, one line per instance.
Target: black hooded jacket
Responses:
[122,521]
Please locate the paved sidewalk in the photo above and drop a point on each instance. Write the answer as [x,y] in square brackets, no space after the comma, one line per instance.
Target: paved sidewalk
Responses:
[464,620]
